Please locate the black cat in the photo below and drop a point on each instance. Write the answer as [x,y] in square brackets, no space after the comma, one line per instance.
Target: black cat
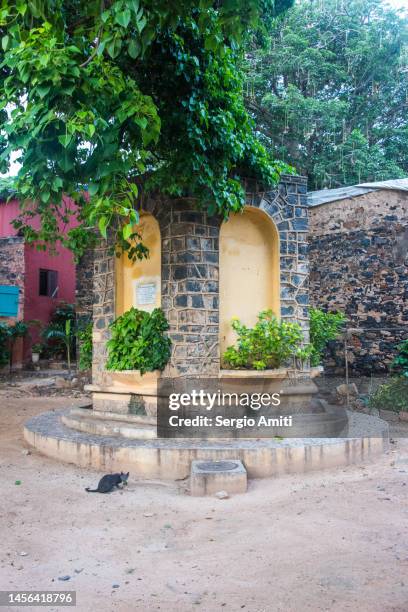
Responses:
[108,482]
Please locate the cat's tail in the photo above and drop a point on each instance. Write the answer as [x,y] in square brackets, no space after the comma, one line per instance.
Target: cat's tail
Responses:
[88,490]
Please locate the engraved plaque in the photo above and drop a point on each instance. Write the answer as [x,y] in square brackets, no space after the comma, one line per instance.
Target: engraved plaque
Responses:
[146,294]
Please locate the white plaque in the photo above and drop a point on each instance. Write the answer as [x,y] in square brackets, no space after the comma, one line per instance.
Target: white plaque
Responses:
[146,294]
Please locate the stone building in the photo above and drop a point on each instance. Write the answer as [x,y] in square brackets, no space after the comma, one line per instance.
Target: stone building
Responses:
[358,249]
[32,282]
[203,273]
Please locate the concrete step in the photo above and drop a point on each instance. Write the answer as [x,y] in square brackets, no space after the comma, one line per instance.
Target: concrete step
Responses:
[109,427]
[113,416]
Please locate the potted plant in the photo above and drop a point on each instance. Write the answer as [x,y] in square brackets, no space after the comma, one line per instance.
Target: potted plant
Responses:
[36,351]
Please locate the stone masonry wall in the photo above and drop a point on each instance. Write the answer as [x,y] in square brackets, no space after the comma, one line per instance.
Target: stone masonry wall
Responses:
[190,276]
[287,207]
[12,266]
[358,256]
[84,291]
[103,309]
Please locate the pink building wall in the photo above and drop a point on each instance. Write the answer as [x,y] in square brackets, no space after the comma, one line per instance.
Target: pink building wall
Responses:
[35,306]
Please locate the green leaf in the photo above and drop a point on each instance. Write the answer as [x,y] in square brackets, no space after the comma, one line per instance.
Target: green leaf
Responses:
[133,188]
[43,90]
[65,140]
[127,231]
[102,224]
[134,48]
[45,196]
[5,42]
[114,48]
[141,23]
[141,122]
[93,189]
[57,183]
[123,18]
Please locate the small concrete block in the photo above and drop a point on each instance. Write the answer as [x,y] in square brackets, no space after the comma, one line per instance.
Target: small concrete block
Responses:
[210,477]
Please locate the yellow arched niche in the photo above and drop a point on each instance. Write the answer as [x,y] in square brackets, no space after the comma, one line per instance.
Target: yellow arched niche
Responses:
[138,283]
[249,270]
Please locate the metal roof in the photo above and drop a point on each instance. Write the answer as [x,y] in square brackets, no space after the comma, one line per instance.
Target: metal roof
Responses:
[324,196]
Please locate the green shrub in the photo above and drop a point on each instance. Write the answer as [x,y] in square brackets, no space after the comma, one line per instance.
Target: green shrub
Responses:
[54,333]
[324,327]
[138,341]
[85,347]
[401,361]
[391,396]
[4,344]
[64,337]
[269,344]
[8,337]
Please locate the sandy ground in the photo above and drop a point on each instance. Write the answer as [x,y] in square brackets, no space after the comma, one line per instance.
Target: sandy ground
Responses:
[327,541]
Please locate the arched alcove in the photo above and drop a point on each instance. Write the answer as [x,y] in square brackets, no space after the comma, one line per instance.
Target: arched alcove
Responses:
[249,270]
[138,283]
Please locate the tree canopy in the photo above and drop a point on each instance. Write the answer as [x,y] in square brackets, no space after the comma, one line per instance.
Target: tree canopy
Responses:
[97,93]
[328,87]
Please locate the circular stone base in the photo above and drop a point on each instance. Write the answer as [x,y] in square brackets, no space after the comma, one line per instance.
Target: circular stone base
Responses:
[171,459]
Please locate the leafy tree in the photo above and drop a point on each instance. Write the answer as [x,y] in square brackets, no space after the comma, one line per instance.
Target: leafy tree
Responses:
[328,87]
[98,93]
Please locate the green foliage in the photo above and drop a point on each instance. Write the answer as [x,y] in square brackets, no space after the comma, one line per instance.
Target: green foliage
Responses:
[324,327]
[37,348]
[85,347]
[55,332]
[4,344]
[63,336]
[19,330]
[269,344]
[6,187]
[391,396]
[62,313]
[401,360]
[138,341]
[328,88]
[96,95]
[8,336]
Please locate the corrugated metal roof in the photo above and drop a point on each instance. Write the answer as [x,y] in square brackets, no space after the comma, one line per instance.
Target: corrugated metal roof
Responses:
[395,185]
[324,196]
[315,198]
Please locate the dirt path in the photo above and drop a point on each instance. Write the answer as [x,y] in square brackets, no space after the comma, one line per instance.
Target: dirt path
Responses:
[332,541]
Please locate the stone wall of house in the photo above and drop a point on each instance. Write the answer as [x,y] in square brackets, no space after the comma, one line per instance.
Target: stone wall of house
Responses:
[358,258]
[103,309]
[84,291]
[12,266]
[190,275]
